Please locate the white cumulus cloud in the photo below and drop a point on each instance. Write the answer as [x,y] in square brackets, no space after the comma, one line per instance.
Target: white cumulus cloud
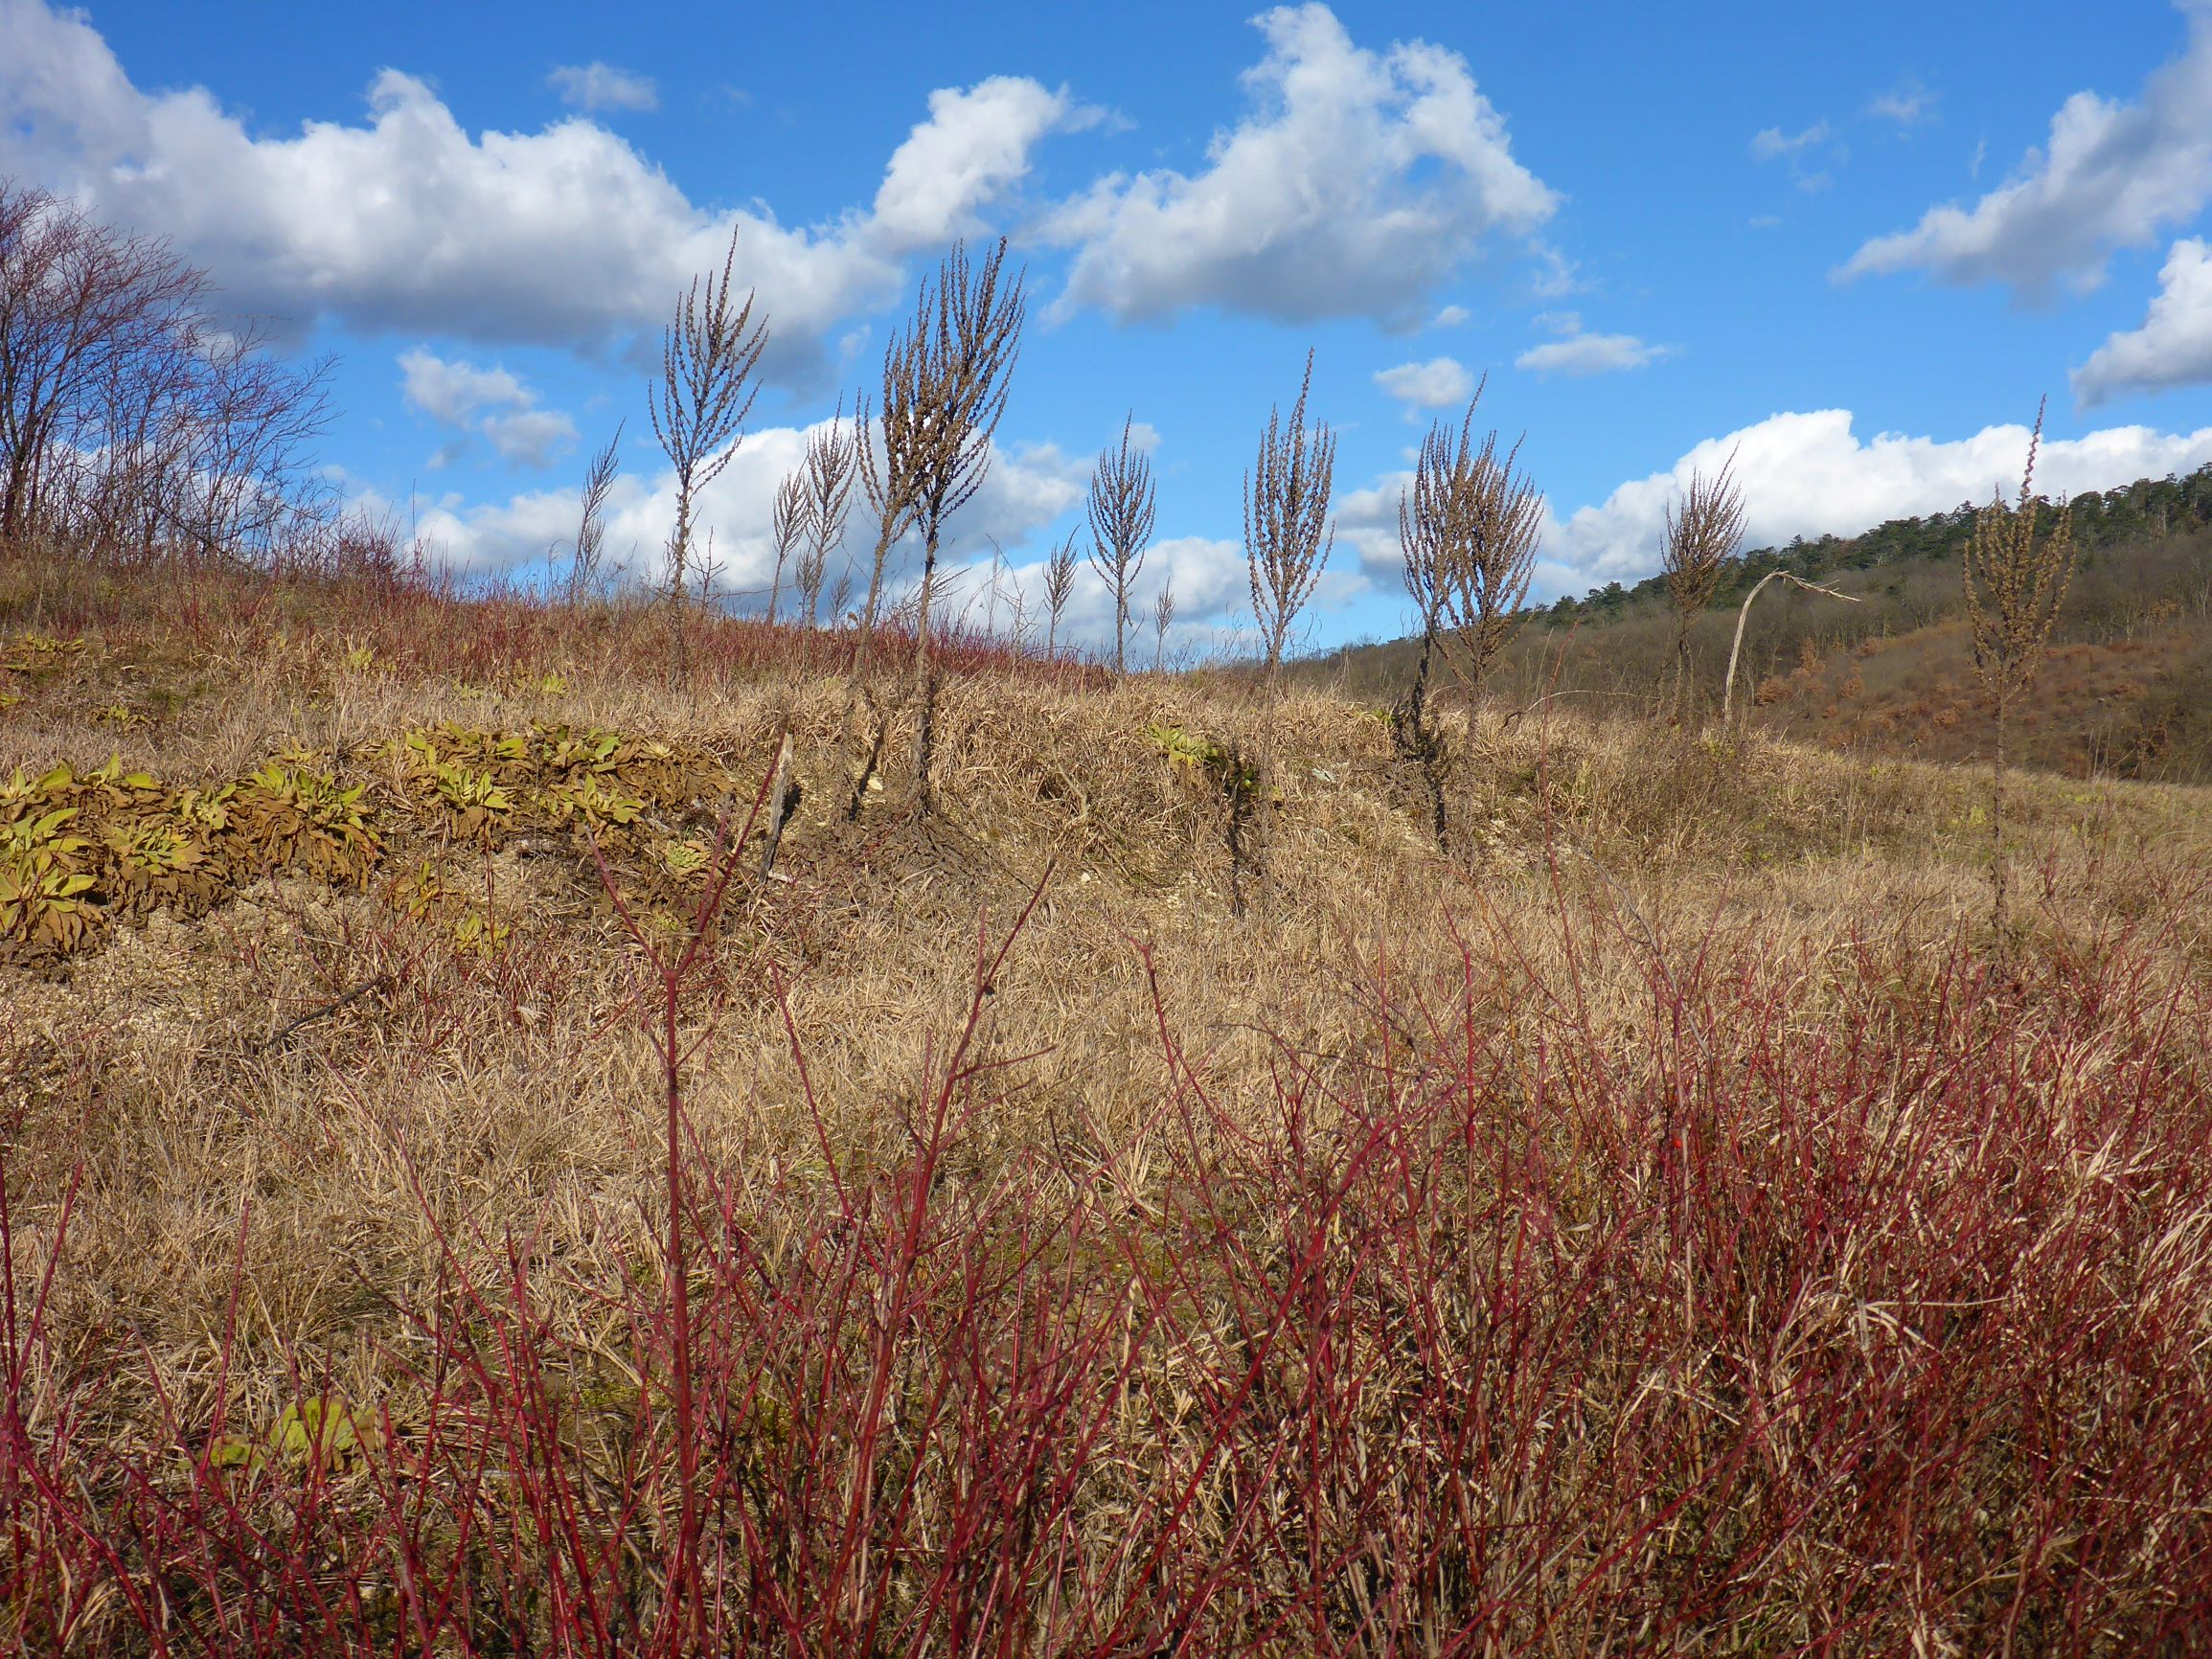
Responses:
[1774,145]
[2112,174]
[1909,103]
[2173,346]
[1358,181]
[489,402]
[595,86]
[1435,384]
[974,146]
[1580,355]
[408,221]
[1809,474]
[451,391]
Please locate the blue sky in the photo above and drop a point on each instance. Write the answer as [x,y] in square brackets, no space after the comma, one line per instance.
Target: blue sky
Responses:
[1856,244]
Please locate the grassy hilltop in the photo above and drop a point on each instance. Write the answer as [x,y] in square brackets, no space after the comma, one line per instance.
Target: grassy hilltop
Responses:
[1660,1222]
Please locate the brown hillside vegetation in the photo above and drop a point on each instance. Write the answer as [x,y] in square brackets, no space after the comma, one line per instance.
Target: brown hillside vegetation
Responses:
[1655,1226]
[2125,691]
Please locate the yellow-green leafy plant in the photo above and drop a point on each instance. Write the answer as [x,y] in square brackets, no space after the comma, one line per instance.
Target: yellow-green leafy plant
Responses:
[159,861]
[205,809]
[1233,773]
[283,815]
[565,752]
[475,801]
[418,890]
[320,1432]
[478,935]
[43,906]
[45,892]
[593,802]
[685,860]
[20,837]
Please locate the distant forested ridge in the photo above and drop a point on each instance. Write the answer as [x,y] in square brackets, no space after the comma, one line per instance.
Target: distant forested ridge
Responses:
[2150,508]
[2128,692]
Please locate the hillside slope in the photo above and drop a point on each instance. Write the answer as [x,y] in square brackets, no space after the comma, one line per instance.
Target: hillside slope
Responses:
[2128,692]
[1651,1221]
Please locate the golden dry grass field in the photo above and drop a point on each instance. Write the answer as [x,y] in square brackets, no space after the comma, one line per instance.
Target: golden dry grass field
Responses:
[1663,1220]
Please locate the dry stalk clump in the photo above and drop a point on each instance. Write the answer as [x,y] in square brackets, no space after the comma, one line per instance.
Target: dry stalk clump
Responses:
[1703,532]
[833,462]
[1288,539]
[944,386]
[1466,533]
[790,518]
[1058,585]
[700,404]
[889,486]
[1288,532]
[1122,503]
[587,554]
[2014,586]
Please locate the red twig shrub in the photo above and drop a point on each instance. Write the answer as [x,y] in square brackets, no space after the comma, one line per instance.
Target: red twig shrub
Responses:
[1884,1331]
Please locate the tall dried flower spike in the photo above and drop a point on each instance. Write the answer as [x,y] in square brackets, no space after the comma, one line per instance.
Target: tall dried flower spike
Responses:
[709,353]
[1703,532]
[790,518]
[831,467]
[1466,533]
[591,519]
[1288,532]
[1058,585]
[944,386]
[1123,499]
[2014,587]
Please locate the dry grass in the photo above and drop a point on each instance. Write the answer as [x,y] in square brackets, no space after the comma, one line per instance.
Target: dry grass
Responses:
[252,1219]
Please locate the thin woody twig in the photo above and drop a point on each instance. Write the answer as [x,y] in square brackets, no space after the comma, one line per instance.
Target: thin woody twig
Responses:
[381,982]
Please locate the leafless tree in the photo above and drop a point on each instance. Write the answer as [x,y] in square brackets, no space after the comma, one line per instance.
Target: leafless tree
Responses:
[2014,587]
[1288,535]
[584,571]
[1467,530]
[1122,502]
[1163,618]
[233,464]
[945,389]
[705,393]
[1702,534]
[789,524]
[1058,585]
[131,419]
